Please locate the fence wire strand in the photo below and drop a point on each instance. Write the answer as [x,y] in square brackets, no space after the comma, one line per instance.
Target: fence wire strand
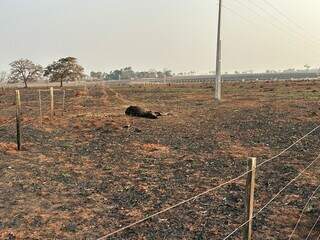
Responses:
[174,206]
[303,211]
[291,146]
[8,122]
[311,230]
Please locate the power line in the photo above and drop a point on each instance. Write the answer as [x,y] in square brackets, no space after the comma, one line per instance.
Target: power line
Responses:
[251,22]
[304,209]
[269,20]
[239,15]
[258,14]
[285,16]
[253,2]
[273,198]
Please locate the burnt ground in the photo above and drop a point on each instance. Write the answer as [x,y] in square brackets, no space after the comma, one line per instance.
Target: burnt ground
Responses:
[94,170]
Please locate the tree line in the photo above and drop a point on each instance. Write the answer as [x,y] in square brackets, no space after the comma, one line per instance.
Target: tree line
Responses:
[68,70]
[129,73]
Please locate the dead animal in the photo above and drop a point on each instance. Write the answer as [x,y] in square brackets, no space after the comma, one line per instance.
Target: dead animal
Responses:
[136,111]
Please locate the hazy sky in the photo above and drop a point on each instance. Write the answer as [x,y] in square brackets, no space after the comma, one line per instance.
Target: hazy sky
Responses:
[175,34]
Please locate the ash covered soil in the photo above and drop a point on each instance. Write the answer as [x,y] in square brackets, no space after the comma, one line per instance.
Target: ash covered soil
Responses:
[95,170]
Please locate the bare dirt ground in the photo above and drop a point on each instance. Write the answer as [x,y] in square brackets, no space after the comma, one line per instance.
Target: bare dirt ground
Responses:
[94,170]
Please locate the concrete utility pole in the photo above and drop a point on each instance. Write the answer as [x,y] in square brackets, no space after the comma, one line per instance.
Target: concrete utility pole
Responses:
[218,60]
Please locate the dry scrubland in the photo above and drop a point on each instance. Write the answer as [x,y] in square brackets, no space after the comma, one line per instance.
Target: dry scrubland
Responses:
[95,170]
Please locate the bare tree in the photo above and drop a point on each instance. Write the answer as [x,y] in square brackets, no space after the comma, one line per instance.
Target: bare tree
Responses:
[3,77]
[24,70]
[65,69]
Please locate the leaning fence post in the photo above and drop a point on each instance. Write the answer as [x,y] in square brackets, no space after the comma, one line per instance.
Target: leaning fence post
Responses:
[18,119]
[40,108]
[250,186]
[52,103]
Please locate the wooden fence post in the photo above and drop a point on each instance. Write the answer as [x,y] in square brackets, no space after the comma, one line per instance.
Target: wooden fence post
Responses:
[40,108]
[250,186]
[52,102]
[18,119]
[85,88]
[63,101]
[105,89]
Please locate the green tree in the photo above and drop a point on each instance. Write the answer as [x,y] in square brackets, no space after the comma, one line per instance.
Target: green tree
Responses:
[65,69]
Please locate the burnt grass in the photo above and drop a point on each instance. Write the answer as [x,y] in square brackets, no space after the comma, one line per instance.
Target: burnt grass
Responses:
[95,170]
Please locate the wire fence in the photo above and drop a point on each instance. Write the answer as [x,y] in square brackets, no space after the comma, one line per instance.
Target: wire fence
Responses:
[228,182]
[35,106]
[311,230]
[303,211]
[222,185]
[273,198]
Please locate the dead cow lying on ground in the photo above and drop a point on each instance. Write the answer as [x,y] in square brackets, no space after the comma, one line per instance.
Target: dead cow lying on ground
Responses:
[136,111]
